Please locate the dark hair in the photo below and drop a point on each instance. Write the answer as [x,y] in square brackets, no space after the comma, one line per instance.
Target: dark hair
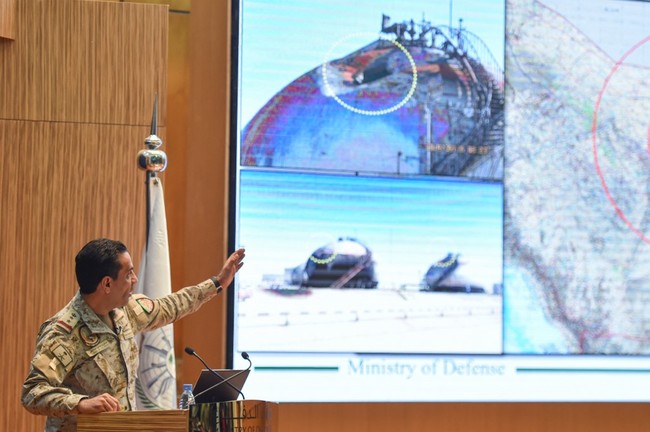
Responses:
[98,258]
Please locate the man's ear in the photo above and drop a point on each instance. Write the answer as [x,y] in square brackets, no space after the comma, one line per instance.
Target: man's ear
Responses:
[106,284]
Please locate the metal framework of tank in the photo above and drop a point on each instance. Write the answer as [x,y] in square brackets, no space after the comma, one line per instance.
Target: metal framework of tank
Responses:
[484,103]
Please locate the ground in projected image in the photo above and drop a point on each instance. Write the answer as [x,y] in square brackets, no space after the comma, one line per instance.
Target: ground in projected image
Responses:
[352,264]
[357,320]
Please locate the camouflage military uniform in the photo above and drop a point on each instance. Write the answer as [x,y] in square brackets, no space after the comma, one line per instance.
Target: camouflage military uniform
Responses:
[79,356]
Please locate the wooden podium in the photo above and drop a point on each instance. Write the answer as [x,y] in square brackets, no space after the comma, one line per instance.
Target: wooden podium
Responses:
[232,416]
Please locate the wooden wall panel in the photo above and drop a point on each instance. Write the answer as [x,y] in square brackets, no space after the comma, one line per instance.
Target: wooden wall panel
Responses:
[85,61]
[464,417]
[206,177]
[7,18]
[78,85]
[61,185]
[176,144]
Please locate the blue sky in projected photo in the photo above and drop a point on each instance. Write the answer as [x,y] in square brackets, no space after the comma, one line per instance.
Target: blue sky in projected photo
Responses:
[407,223]
[281,40]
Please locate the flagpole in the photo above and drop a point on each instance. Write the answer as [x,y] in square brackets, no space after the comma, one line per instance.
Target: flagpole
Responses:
[156,378]
[152,161]
[148,209]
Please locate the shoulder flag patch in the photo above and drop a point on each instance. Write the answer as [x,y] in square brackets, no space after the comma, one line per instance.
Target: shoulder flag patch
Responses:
[146,304]
[64,325]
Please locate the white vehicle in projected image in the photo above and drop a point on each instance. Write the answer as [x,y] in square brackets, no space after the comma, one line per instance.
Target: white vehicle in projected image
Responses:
[346,263]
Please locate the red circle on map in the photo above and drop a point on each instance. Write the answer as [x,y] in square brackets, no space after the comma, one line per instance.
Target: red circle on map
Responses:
[648,138]
[594,125]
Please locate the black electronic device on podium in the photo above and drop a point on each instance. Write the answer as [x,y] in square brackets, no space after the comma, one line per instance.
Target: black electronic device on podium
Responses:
[220,385]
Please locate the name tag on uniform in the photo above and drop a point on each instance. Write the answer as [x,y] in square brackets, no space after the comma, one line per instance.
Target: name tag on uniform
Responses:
[99,348]
[127,333]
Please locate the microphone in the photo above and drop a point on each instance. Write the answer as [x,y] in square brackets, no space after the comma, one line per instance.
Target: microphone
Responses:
[245,356]
[191,352]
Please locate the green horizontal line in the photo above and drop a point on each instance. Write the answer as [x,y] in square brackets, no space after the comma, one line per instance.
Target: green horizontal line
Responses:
[581,370]
[298,368]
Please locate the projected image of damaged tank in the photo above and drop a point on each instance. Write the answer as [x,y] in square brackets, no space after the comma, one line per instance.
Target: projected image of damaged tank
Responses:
[346,263]
[422,99]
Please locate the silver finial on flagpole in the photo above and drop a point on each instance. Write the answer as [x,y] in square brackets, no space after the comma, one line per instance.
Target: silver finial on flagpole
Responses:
[151,159]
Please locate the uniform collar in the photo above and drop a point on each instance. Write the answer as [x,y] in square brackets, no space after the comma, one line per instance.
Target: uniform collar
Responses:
[120,320]
[89,317]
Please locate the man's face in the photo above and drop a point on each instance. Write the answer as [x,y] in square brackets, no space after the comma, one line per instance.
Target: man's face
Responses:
[122,287]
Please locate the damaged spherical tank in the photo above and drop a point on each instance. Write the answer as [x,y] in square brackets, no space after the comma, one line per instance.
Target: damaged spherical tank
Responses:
[346,263]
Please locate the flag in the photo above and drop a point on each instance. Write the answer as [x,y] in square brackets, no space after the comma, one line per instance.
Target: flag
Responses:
[156,382]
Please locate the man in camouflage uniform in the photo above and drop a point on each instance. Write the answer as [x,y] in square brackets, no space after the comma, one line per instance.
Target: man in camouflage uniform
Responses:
[86,356]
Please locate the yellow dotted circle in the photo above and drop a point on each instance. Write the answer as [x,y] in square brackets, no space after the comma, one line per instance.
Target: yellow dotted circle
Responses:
[371,112]
[327,260]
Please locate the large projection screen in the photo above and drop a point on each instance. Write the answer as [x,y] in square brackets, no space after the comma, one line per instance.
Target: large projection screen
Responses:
[441,200]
